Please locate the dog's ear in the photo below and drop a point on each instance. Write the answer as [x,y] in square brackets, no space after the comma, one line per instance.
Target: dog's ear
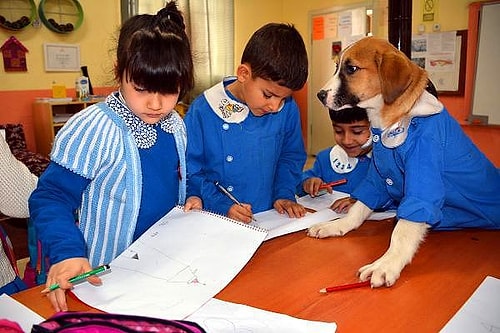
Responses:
[396,74]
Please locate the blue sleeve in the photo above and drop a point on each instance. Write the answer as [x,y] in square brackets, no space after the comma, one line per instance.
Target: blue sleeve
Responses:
[53,206]
[198,182]
[292,158]
[371,190]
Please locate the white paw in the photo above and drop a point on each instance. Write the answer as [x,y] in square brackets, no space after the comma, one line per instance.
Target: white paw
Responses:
[382,272]
[329,229]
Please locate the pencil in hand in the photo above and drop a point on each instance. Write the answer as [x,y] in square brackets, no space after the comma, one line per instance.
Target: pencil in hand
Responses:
[345,287]
[78,278]
[230,196]
[334,183]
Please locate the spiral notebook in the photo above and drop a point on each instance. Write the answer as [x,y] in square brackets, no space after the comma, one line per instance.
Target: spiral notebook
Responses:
[176,266]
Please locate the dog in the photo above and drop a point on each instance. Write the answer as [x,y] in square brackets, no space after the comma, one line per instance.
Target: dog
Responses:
[421,160]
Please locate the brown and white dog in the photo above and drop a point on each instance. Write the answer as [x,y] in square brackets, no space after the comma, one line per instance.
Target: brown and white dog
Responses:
[375,75]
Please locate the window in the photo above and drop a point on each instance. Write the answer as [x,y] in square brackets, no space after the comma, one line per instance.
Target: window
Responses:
[210,25]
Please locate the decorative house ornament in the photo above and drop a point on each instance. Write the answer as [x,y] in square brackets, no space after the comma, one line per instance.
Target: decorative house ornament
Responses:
[14,55]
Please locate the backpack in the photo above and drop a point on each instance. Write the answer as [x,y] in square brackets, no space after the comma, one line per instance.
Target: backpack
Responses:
[37,267]
[76,322]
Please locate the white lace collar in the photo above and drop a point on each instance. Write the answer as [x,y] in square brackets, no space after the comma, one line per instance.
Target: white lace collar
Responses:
[144,134]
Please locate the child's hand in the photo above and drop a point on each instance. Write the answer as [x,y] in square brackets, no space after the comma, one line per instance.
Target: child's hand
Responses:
[342,205]
[193,202]
[292,208]
[242,213]
[60,273]
[311,186]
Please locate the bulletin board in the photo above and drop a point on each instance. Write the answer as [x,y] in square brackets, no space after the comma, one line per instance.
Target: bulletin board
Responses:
[443,55]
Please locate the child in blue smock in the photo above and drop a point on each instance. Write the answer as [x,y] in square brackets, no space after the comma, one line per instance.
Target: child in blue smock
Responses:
[245,134]
[348,159]
[120,163]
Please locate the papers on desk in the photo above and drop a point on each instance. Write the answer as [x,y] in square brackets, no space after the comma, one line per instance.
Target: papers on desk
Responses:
[218,316]
[280,224]
[481,312]
[175,267]
[14,311]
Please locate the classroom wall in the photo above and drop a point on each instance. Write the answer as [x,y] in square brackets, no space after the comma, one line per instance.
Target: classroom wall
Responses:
[102,19]
[95,38]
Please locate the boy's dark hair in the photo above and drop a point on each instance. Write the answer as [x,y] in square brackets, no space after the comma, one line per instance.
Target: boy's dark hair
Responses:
[154,52]
[348,115]
[277,52]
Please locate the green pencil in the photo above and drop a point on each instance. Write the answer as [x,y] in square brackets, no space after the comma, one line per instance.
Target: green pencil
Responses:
[79,278]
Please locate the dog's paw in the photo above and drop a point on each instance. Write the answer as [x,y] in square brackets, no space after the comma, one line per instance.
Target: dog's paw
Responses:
[328,229]
[382,272]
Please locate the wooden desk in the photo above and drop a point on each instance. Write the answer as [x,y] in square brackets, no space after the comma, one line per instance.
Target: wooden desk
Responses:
[286,273]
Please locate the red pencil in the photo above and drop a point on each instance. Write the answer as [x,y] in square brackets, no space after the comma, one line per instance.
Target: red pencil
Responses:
[345,287]
[335,183]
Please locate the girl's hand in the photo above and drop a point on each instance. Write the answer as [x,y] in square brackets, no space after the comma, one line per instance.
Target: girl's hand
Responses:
[60,273]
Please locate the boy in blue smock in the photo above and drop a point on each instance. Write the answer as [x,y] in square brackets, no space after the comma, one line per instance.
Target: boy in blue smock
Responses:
[348,159]
[245,134]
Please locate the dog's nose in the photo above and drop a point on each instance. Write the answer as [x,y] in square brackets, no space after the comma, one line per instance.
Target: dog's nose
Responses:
[322,96]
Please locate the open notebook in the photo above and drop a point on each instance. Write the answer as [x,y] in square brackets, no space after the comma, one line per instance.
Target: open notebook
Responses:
[175,267]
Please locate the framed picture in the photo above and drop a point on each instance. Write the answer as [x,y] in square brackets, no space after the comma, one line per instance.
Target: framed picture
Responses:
[62,57]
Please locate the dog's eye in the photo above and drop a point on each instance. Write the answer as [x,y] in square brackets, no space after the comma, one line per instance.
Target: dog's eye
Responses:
[350,69]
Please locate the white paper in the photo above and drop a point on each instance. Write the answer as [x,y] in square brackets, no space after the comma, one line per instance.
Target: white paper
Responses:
[280,224]
[326,200]
[481,312]
[179,264]
[14,311]
[218,316]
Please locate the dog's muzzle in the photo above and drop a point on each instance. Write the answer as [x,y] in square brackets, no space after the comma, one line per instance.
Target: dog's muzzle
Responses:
[322,94]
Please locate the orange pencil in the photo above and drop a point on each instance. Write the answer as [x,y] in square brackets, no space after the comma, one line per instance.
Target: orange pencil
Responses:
[331,184]
[345,287]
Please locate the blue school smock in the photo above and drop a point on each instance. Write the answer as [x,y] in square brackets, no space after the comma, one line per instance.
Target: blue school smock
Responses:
[111,216]
[258,159]
[435,172]
[333,164]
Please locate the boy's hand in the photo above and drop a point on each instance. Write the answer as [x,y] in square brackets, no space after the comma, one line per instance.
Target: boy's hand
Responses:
[193,203]
[242,213]
[311,186]
[290,207]
[342,205]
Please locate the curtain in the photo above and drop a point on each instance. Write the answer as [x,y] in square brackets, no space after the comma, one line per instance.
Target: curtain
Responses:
[210,26]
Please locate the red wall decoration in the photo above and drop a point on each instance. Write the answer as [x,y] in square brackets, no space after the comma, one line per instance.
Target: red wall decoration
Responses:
[14,55]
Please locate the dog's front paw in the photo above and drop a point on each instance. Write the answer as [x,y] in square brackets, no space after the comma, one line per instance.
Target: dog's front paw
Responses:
[328,229]
[382,272]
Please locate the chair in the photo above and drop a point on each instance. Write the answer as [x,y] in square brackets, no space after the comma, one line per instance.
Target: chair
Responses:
[14,136]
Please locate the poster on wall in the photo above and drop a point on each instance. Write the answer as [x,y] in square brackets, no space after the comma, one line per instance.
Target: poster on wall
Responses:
[62,57]
[440,54]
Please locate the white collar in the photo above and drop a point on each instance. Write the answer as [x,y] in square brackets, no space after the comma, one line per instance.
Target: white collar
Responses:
[225,106]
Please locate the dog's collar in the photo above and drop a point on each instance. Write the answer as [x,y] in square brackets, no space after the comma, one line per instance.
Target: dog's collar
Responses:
[224,105]
[396,134]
